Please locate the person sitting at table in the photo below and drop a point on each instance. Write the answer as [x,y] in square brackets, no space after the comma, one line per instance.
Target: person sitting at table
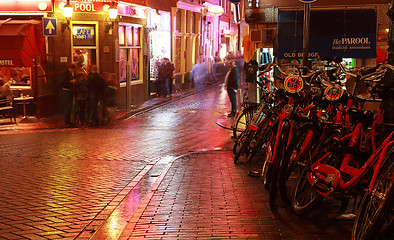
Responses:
[21,78]
[5,91]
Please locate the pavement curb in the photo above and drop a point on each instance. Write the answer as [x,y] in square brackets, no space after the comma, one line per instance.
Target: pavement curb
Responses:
[163,103]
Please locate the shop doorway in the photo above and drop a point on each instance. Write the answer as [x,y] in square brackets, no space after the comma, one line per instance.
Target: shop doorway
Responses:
[84,58]
[84,52]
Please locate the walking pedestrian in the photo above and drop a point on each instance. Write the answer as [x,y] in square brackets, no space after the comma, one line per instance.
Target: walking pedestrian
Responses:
[168,76]
[81,95]
[110,98]
[161,80]
[232,85]
[96,86]
[68,93]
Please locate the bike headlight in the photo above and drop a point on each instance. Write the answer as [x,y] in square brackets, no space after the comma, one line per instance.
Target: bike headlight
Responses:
[288,108]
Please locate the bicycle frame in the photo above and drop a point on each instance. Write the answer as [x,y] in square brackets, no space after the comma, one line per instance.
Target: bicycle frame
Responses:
[327,179]
[283,115]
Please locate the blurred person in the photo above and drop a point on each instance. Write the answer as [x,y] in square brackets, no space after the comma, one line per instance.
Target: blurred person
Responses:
[68,93]
[20,77]
[168,76]
[217,57]
[96,86]
[78,57]
[232,85]
[110,96]
[5,90]
[161,78]
[81,95]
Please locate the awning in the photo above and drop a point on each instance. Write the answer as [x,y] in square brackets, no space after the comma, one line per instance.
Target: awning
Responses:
[336,33]
[21,41]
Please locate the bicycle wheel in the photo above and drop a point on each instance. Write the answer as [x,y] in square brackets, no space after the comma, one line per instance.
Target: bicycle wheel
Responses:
[241,145]
[375,207]
[388,226]
[242,121]
[261,137]
[278,152]
[296,155]
[266,172]
[304,197]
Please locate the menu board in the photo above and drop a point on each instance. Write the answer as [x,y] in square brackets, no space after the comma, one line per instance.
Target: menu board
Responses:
[84,35]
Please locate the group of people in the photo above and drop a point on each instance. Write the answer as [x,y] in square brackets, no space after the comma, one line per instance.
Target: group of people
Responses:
[84,92]
[165,77]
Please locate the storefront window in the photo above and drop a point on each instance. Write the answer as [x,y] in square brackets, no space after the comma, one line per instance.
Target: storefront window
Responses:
[122,35]
[137,36]
[84,45]
[134,62]
[129,52]
[122,64]
[129,35]
[160,39]
[177,61]
[16,76]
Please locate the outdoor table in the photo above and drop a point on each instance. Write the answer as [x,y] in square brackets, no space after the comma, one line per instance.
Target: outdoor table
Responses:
[24,99]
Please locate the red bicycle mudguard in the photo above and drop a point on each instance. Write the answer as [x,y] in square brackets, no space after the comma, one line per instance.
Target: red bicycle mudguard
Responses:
[324,178]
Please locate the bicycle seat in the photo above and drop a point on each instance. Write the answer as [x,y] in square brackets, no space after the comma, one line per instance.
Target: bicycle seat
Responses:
[366,118]
[367,70]
[354,114]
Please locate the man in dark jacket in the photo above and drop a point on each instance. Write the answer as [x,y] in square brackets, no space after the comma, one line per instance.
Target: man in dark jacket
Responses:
[68,93]
[168,75]
[96,87]
[232,85]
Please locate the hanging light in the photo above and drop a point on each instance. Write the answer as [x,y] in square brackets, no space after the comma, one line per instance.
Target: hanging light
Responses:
[113,11]
[67,10]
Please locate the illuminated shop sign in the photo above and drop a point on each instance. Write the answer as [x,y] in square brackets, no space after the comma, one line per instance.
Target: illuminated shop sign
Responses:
[131,11]
[84,35]
[26,6]
[215,10]
[6,62]
[85,6]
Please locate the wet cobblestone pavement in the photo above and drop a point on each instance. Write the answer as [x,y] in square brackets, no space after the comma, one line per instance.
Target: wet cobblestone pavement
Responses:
[163,174]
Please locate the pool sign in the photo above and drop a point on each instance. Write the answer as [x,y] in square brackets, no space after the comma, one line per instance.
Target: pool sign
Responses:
[293,84]
[307,1]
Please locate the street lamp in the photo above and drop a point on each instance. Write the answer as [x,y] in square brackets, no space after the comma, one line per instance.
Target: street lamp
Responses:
[67,10]
[67,13]
[113,14]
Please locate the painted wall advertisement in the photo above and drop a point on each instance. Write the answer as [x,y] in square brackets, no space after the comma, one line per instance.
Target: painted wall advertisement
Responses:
[342,33]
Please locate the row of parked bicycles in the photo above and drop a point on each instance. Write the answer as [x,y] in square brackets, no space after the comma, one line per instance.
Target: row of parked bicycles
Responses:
[314,139]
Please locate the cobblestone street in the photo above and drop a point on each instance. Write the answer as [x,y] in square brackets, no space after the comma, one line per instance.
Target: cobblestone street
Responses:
[163,174]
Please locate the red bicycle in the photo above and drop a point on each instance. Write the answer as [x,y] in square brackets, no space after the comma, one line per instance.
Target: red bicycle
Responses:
[347,162]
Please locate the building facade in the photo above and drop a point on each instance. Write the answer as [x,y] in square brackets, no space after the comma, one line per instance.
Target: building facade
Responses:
[188,32]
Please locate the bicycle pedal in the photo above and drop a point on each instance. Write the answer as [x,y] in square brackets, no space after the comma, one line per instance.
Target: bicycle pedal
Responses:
[254,173]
